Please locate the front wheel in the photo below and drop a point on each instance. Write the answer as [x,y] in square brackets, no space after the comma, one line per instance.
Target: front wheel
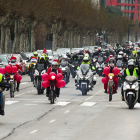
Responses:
[110,93]
[130,101]
[100,73]
[52,98]
[84,91]
[39,88]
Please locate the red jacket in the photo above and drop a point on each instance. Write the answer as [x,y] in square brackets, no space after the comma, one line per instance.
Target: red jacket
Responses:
[18,67]
[50,70]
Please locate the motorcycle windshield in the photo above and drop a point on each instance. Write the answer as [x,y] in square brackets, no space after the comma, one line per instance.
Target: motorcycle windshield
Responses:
[119,63]
[40,67]
[63,64]
[100,59]
[131,78]
[84,68]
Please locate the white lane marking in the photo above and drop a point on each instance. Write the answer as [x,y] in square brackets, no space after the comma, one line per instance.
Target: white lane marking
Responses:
[28,91]
[31,104]
[88,103]
[19,94]
[10,102]
[34,131]
[67,111]
[52,121]
[137,105]
[39,101]
[89,98]
[62,103]
[112,105]
[24,83]
[62,99]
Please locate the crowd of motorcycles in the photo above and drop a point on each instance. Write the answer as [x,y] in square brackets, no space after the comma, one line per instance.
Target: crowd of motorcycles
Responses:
[72,65]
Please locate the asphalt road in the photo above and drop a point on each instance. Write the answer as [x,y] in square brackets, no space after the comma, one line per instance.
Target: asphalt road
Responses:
[29,116]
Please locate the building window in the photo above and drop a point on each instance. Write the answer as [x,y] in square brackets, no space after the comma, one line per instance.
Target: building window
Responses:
[138,1]
[137,15]
[124,14]
[137,8]
[133,1]
[128,1]
[132,16]
[128,8]
[124,7]
[127,14]
[118,1]
[132,8]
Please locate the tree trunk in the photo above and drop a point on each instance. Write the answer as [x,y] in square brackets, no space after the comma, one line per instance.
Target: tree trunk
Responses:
[7,41]
[2,40]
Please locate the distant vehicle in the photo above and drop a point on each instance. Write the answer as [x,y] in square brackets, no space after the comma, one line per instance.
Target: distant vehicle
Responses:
[4,59]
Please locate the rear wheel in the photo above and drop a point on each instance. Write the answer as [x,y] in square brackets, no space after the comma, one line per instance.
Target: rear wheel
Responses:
[52,97]
[130,101]
[110,93]
[39,88]
[84,91]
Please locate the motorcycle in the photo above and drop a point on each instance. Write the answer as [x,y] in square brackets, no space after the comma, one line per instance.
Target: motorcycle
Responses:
[39,71]
[85,78]
[12,83]
[65,70]
[131,91]
[32,70]
[100,66]
[73,69]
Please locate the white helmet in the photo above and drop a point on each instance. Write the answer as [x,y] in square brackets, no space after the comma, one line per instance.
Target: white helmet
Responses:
[119,57]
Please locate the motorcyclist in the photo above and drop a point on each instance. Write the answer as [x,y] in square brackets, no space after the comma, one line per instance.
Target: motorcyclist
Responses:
[46,60]
[68,55]
[125,58]
[86,60]
[54,68]
[14,63]
[110,57]
[42,61]
[131,71]
[35,54]
[75,57]
[111,67]
[32,65]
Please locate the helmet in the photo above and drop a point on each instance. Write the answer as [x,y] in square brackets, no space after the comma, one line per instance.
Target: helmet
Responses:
[86,55]
[131,64]
[42,58]
[54,65]
[111,62]
[124,55]
[64,57]
[110,56]
[35,53]
[86,59]
[120,53]
[13,59]
[119,57]
[134,53]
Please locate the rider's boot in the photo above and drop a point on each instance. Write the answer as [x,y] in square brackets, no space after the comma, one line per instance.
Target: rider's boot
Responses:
[115,91]
[105,91]
[18,87]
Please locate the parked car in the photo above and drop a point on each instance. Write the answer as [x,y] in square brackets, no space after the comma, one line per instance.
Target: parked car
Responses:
[21,63]
[4,59]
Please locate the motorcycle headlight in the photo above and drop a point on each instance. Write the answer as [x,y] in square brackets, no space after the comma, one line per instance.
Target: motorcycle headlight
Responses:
[63,68]
[110,77]
[133,86]
[11,76]
[72,66]
[127,86]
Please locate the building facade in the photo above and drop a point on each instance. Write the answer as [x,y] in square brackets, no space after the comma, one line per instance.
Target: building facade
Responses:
[130,8]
